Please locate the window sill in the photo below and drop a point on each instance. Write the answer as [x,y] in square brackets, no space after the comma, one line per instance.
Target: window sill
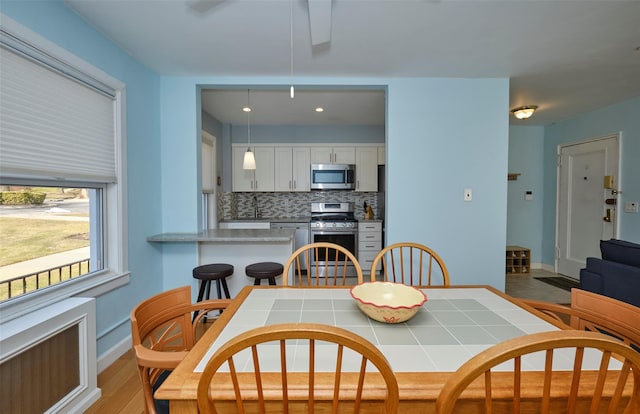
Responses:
[89,286]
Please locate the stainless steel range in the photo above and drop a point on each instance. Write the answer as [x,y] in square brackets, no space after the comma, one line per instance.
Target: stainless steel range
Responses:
[335,223]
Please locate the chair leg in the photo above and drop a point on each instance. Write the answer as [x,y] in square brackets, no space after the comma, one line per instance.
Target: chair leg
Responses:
[256,282]
[225,288]
[272,281]
[203,285]
[208,289]
[218,289]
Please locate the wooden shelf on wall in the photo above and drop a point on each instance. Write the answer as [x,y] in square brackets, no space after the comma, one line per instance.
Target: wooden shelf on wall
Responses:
[512,176]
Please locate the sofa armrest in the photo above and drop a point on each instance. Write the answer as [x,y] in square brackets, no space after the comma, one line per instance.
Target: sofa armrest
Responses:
[591,281]
[617,280]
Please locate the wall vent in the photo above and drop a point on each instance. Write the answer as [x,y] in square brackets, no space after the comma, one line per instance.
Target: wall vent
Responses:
[48,359]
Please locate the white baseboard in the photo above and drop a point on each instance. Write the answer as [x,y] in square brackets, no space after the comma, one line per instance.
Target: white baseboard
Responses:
[109,357]
[548,267]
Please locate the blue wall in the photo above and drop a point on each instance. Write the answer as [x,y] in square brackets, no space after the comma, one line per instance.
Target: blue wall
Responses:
[524,218]
[622,117]
[433,154]
[53,20]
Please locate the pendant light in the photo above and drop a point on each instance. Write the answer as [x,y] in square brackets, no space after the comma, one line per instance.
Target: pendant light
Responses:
[291,90]
[249,162]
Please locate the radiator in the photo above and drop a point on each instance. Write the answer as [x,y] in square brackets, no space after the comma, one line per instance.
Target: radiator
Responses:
[48,359]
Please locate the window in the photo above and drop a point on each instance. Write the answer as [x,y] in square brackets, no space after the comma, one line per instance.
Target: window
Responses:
[60,134]
[48,235]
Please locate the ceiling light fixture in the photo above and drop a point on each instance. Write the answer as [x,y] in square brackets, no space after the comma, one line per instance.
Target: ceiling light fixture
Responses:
[524,112]
[249,162]
[319,109]
[291,90]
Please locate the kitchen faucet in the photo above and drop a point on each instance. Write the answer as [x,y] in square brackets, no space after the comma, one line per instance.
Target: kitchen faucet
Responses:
[256,210]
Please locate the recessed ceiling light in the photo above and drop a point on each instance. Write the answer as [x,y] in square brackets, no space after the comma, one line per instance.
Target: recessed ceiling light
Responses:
[246,109]
[319,109]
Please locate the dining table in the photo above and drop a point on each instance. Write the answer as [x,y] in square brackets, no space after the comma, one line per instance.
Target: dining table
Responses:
[453,325]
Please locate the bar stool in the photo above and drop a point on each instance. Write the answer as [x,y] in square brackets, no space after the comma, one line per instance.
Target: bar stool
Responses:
[264,270]
[210,272]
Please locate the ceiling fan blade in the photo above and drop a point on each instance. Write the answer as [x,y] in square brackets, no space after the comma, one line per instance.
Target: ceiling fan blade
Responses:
[320,21]
[203,6]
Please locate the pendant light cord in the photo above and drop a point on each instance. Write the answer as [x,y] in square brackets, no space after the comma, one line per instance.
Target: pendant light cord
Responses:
[249,118]
[291,43]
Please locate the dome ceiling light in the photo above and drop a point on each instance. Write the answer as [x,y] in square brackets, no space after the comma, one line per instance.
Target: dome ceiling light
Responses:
[524,112]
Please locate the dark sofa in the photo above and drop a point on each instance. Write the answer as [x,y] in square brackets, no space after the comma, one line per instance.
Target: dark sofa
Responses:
[617,274]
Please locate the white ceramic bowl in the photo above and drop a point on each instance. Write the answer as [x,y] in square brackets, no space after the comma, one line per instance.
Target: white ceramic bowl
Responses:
[388,302]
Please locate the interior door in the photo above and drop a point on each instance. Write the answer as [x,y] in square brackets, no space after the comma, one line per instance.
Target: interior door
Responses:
[586,210]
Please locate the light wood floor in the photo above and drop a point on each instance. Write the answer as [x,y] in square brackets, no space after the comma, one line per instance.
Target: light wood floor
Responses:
[122,391]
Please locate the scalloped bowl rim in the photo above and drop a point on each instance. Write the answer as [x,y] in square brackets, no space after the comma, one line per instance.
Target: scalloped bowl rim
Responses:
[393,286]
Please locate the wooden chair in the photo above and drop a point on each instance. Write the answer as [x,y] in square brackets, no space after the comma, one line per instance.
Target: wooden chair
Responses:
[333,272]
[538,391]
[163,333]
[593,312]
[281,387]
[412,264]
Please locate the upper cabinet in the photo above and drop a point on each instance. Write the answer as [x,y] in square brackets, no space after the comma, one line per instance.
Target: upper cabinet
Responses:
[292,170]
[286,168]
[333,155]
[260,179]
[366,168]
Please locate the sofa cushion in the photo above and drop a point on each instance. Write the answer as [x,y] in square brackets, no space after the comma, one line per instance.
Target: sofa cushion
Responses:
[620,251]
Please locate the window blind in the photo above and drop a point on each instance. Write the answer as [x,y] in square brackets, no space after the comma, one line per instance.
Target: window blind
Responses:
[53,125]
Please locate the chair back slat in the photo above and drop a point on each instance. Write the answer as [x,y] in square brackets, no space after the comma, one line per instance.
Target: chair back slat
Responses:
[338,263]
[269,383]
[604,386]
[411,264]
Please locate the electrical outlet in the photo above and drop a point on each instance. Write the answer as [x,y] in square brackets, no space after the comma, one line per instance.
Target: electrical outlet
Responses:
[631,207]
[468,194]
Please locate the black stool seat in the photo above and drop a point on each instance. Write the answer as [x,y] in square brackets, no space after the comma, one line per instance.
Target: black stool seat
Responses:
[264,270]
[216,271]
[213,271]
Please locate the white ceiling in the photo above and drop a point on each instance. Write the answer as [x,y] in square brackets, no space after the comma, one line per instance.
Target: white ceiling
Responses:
[567,57]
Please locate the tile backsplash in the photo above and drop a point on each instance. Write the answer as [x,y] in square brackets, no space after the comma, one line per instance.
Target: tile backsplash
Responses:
[284,205]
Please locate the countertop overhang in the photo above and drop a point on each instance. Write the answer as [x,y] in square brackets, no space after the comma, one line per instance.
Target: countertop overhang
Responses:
[227,236]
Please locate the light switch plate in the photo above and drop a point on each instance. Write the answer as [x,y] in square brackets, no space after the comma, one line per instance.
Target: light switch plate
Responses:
[631,207]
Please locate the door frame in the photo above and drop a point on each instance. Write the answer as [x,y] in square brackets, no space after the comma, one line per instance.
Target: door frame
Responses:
[209,198]
[616,193]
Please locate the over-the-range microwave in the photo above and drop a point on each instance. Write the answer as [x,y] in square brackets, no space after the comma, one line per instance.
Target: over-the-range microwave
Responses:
[333,177]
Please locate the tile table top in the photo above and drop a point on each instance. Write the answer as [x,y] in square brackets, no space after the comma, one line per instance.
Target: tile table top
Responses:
[452,326]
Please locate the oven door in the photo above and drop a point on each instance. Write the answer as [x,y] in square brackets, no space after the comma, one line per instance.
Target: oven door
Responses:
[347,239]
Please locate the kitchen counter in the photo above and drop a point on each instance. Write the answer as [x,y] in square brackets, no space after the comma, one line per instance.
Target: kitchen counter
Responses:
[227,236]
[237,247]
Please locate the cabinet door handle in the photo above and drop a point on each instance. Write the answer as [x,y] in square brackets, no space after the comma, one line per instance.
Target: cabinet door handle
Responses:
[294,184]
[256,184]
[289,184]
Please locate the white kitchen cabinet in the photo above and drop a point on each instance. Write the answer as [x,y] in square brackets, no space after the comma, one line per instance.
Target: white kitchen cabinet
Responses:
[367,168]
[369,243]
[262,178]
[292,168]
[333,155]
